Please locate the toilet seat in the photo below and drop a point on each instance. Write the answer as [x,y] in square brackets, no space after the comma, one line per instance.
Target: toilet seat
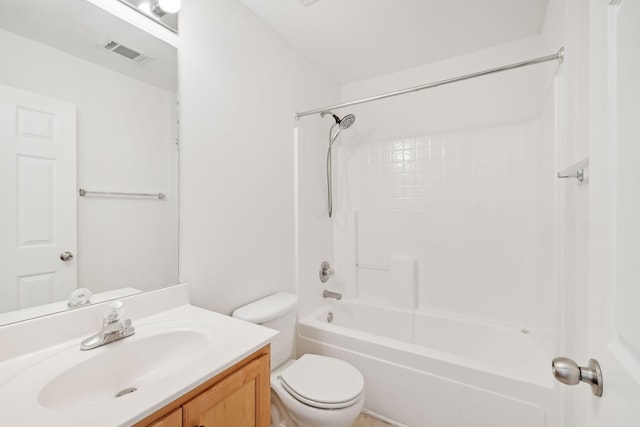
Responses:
[323,382]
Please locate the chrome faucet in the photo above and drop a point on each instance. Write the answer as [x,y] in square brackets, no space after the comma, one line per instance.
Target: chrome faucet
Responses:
[329,294]
[114,328]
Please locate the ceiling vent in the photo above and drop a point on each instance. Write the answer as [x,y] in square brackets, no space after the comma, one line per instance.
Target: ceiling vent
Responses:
[125,51]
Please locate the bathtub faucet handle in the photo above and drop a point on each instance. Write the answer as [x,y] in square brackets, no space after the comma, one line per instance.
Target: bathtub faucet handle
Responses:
[325,271]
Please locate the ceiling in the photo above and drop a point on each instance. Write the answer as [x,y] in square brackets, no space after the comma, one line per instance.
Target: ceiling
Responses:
[358,39]
[81,29]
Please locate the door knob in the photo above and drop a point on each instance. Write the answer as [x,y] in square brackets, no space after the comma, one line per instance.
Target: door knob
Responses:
[568,372]
[66,256]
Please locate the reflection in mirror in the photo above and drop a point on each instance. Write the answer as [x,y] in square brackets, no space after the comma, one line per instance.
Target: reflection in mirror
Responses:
[86,101]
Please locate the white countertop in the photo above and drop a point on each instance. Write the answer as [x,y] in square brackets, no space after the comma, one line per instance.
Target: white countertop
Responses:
[23,376]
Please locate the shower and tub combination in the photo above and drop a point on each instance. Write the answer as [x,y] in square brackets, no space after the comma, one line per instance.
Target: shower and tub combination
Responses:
[425,366]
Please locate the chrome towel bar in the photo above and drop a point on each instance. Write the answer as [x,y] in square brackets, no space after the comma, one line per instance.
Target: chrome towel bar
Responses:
[84,193]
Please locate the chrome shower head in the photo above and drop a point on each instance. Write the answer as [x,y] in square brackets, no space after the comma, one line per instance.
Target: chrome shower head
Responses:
[340,123]
[344,122]
[347,121]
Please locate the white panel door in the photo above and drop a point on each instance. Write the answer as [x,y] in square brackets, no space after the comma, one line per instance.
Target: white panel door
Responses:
[614,284]
[38,191]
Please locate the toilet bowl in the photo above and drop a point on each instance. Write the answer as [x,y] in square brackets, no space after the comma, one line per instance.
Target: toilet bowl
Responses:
[315,394]
[312,391]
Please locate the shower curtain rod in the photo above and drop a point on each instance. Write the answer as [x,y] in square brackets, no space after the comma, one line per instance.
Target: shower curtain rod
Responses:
[556,56]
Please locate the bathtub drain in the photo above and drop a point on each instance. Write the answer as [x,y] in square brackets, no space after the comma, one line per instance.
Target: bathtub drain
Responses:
[330,317]
[126,391]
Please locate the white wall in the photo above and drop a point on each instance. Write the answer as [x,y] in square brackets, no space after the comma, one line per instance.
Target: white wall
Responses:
[124,143]
[239,84]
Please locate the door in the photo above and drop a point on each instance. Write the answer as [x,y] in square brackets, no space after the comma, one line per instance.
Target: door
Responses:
[37,187]
[614,210]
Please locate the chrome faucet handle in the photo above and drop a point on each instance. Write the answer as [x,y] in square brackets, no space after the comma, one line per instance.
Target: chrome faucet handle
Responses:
[326,271]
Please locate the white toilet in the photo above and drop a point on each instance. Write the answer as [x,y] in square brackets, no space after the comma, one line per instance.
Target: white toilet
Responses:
[312,391]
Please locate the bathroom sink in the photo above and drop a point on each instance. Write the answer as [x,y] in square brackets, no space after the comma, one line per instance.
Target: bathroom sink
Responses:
[122,367]
[71,379]
[122,382]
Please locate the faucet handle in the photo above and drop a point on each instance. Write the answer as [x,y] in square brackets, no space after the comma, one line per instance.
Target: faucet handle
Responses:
[79,298]
[115,312]
[325,271]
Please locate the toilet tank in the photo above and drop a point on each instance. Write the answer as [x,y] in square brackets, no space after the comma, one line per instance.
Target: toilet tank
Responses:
[277,311]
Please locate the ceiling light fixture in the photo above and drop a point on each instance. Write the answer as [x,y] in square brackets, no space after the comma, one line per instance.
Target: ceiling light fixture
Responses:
[162,7]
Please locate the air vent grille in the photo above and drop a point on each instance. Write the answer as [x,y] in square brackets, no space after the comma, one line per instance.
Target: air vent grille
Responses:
[125,51]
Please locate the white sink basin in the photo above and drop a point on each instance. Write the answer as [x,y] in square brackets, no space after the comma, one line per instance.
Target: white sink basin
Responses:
[127,366]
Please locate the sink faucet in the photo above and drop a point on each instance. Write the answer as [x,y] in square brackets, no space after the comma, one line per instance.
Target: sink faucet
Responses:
[329,294]
[114,328]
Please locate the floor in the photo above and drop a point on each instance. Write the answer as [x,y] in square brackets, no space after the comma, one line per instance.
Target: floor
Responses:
[365,420]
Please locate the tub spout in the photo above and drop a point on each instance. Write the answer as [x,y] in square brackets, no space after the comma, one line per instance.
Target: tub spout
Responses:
[329,294]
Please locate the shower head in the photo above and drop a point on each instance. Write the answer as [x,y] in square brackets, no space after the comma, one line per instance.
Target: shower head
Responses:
[347,121]
[344,122]
[341,123]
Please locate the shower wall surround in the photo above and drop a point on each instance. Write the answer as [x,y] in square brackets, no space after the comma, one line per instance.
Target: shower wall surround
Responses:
[473,208]
[459,179]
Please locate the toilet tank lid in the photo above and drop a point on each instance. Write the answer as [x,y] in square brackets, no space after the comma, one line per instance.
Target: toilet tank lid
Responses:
[267,308]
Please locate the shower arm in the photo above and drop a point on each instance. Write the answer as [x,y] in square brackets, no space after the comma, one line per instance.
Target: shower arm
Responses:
[559,56]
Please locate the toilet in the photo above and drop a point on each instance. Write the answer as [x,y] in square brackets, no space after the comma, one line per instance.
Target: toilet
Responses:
[312,391]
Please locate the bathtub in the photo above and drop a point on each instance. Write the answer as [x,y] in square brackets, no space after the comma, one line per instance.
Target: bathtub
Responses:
[426,369]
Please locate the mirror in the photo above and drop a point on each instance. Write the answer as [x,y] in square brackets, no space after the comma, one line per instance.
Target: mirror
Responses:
[87,101]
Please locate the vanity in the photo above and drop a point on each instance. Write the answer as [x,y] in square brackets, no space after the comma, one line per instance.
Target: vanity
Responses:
[183,366]
[239,396]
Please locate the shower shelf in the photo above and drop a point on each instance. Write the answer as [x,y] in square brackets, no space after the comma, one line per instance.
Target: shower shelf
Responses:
[575,171]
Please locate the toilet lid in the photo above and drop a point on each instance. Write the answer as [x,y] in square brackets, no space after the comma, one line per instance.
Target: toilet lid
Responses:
[323,382]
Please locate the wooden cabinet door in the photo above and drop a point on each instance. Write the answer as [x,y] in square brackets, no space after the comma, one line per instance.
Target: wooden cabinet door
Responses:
[241,399]
[174,419]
